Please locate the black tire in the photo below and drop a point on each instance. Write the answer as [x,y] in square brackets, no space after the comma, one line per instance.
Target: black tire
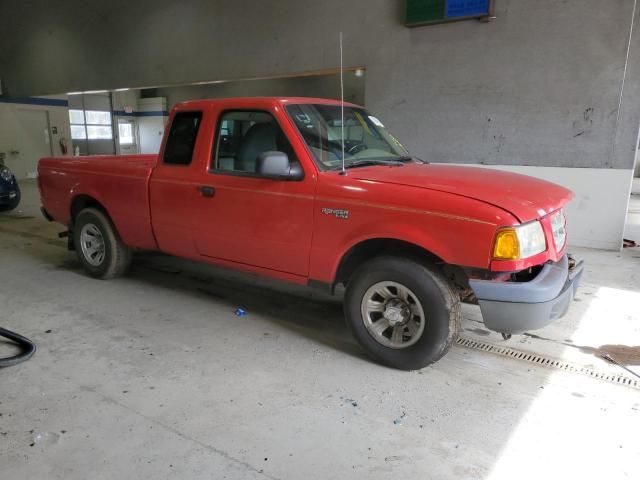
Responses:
[439,301]
[13,204]
[117,256]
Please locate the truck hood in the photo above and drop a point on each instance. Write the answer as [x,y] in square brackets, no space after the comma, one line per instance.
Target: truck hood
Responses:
[525,197]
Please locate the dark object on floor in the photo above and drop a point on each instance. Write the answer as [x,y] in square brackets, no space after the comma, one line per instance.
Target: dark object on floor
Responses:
[626,243]
[27,346]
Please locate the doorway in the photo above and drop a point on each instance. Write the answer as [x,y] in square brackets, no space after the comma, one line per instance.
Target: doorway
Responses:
[127,143]
[33,141]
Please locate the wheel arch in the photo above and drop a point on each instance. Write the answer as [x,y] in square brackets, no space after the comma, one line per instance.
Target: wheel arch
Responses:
[370,248]
[82,201]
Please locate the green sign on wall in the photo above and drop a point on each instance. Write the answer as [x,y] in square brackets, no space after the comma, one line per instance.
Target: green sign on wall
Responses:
[424,12]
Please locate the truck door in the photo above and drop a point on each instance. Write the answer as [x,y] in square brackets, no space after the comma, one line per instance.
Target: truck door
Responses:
[246,218]
[173,192]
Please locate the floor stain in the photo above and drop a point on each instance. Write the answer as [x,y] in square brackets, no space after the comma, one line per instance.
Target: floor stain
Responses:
[24,234]
[538,337]
[624,354]
[17,217]
[479,331]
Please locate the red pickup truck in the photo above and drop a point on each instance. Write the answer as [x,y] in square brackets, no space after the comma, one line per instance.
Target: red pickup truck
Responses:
[258,184]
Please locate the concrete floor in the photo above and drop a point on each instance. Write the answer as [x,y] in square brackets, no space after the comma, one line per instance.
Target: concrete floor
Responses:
[153,376]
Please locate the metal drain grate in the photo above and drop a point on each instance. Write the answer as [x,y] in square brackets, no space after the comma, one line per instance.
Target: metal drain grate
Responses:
[548,362]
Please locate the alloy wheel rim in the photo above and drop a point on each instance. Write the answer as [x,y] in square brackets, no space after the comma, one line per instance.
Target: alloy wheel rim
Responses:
[393,315]
[92,244]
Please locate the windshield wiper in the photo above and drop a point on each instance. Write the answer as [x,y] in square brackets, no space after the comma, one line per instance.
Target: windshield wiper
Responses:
[371,161]
[408,158]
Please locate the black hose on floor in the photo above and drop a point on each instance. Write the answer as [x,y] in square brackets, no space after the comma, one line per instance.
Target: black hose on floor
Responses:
[27,346]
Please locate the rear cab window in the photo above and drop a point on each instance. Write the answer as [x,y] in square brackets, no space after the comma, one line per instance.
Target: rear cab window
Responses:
[182,137]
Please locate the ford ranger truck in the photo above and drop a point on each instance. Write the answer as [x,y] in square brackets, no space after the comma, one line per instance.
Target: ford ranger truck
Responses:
[262,185]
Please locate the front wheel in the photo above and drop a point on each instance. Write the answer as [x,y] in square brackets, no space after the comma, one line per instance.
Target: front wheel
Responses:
[98,245]
[403,313]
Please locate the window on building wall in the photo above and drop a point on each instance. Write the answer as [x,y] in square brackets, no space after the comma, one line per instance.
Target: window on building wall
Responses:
[90,124]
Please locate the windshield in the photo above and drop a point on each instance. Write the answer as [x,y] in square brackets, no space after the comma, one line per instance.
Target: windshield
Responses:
[366,141]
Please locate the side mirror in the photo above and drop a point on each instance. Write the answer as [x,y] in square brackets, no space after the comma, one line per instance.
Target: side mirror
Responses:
[276,165]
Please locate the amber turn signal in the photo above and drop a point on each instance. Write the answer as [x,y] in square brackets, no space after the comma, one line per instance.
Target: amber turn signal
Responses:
[506,246]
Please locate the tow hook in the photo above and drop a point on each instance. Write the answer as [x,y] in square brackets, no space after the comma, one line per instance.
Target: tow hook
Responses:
[573,263]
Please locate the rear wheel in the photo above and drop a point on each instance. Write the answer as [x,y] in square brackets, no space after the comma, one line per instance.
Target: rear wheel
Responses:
[403,313]
[98,245]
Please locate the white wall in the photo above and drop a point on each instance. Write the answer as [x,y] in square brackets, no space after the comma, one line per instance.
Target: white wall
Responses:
[151,128]
[9,136]
[596,216]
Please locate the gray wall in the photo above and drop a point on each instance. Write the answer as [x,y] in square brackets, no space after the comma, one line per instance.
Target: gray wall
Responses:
[323,86]
[539,86]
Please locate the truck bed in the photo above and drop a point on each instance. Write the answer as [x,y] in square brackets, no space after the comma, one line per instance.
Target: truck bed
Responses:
[118,183]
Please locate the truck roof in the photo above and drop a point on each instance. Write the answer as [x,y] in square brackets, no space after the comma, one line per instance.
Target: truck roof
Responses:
[252,102]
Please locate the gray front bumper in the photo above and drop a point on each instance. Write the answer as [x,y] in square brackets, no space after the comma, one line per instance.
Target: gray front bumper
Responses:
[510,307]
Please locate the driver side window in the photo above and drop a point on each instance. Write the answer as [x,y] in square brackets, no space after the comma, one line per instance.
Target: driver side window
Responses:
[242,136]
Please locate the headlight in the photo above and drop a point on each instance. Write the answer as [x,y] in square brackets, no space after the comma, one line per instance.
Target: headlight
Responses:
[5,173]
[523,241]
[559,228]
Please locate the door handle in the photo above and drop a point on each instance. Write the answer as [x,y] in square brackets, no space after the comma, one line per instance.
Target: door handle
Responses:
[207,191]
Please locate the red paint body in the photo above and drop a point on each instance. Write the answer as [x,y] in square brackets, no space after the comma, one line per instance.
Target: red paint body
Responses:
[277,228]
